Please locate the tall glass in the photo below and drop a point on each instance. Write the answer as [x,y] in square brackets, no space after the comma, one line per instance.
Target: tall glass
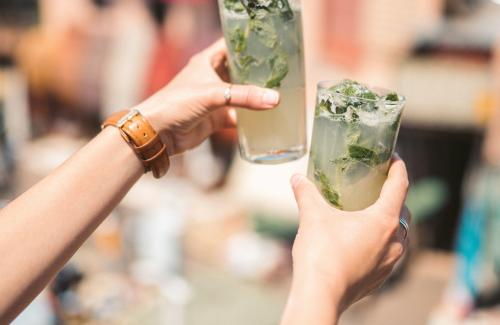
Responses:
[353,140]
[264,39]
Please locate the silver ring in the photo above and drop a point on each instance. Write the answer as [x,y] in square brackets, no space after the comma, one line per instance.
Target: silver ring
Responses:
[227,95]
[406,226]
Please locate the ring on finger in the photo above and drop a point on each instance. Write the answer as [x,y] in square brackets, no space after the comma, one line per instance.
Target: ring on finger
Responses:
[227,94]
[405,225]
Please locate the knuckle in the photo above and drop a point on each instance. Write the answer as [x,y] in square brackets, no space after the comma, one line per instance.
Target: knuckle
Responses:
[216,90]
[210,94]
[398,252]
[247,95]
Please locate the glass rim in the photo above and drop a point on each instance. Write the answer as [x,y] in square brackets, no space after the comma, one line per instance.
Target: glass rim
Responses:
[328,83]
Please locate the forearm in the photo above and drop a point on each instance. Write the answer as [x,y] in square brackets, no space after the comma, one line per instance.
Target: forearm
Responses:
[43,228]
[311,303]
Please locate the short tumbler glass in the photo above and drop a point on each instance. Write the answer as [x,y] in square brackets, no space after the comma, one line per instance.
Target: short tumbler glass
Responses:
[352,144]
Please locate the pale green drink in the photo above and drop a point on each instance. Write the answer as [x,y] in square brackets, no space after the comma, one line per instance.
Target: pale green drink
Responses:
[264,39]
[355,131]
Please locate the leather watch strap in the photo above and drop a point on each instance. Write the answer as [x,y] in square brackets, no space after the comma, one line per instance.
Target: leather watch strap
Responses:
[145,141]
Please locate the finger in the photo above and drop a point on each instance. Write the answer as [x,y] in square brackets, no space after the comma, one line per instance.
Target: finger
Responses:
[395,188]
[231,118]
[394,253]
[306,193]
[251,97]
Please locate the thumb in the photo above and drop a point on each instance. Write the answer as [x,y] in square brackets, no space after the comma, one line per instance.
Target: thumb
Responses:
[245,96]
[306,193]
[395,188]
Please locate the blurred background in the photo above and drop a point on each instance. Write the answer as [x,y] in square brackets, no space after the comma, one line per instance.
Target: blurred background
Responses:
[210,243]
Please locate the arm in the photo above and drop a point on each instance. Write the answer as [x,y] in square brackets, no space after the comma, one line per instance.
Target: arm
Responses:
[41,229]
[340,257]
[310,303]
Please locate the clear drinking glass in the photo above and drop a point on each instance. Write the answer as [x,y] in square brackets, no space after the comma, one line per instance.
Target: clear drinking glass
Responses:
[353,141]
[264,39]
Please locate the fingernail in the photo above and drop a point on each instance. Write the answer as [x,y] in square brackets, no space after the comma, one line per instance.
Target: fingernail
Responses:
[397,156]
[270,97]
[295,180]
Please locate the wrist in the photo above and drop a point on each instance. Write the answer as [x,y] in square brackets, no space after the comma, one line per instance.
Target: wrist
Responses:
[156,119]
[332,290]
[140,135]
[313,301]
[113,139]
[153,116]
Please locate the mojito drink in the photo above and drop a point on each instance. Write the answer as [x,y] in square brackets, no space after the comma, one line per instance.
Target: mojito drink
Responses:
[264,38]
[355,131]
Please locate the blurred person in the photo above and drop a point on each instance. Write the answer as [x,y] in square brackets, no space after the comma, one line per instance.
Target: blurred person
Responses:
[63,58]
[184,27]
[476,275]
[131,42]
[339,257]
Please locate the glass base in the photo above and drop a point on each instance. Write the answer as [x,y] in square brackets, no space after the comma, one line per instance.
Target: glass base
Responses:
[274,157]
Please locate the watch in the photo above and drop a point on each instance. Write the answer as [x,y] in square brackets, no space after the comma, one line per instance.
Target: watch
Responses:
[144,140]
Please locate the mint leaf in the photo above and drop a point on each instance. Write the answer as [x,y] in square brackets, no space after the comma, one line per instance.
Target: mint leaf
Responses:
[245,60]
[238,40]
[369,157]
[341,109]
[326,189]
[279,70]
[258,8]
[234,5]
[349,91]
[266,34]
[364,155]
[326,106]
[369,95]
[242,66]
[354,117]
[392,97]
[360,154]
[343,163]
[285,9]
[357,94]
[353,134]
